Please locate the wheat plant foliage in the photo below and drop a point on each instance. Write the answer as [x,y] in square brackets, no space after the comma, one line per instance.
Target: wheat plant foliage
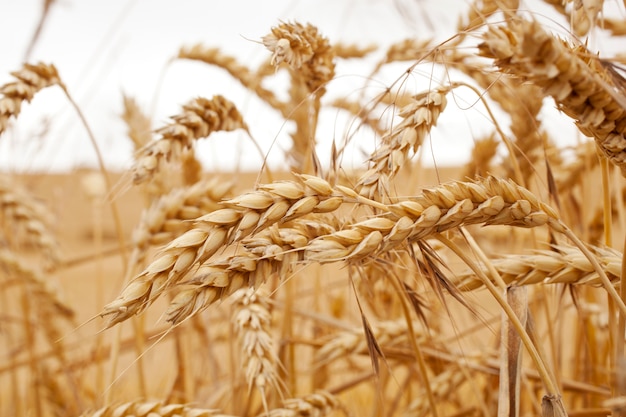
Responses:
[385,288]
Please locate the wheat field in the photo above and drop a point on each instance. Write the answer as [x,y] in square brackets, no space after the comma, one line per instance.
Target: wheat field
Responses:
[327,288]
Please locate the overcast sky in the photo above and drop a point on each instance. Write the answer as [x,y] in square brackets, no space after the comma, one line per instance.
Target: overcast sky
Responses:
[104,48]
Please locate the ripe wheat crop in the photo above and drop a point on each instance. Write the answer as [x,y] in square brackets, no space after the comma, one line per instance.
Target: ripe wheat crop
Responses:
[318,289]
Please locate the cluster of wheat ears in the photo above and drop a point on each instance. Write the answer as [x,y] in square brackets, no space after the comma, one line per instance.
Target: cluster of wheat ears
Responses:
[320,290]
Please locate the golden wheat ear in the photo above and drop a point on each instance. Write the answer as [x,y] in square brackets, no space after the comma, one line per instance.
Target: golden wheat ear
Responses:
[576,79]
[29,80]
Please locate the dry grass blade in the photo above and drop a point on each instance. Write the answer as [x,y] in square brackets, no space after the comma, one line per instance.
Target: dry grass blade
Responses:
[30,79]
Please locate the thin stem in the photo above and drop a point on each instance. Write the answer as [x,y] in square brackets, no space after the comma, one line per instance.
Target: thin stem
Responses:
[421,363]
[105,173]
[606,282]
[546,377]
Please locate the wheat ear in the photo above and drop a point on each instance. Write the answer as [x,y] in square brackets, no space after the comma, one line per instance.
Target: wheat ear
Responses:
[252,320]
[138,123]
[418,117]
[251,212]
[305,50]
[340,344]
[563,265]
[170,215]
[250,80]
[30,79]
[26,221]
[490,201]
[152,409]
[582,86]
[318,404]
[199,119]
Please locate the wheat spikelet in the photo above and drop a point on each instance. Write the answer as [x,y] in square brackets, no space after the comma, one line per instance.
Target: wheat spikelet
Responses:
[199,119]
[615,26]
[563,265]
[30,79]
[581,85]
[252,320]
[318,404]
[251,212]
[250,80]
[152,409]
[418,117]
